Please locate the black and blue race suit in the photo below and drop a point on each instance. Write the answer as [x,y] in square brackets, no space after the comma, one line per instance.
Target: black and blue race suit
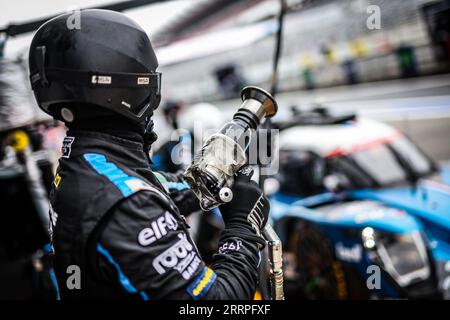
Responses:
[116,227]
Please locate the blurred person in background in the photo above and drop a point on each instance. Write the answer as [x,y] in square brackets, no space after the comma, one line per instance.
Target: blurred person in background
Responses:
[190,127]
[162,156]
[111,216]
[26,174]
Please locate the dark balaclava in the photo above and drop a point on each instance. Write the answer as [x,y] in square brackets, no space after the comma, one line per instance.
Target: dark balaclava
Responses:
[105,121]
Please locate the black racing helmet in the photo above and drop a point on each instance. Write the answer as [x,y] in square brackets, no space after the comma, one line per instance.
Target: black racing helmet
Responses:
[106,60]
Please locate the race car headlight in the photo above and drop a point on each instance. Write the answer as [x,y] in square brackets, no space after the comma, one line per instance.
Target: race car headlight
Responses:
[403,256]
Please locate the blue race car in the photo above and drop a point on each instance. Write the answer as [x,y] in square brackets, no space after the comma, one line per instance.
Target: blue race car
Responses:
[362,212]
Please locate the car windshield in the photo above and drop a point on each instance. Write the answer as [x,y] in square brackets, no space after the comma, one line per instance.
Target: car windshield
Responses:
[382,164]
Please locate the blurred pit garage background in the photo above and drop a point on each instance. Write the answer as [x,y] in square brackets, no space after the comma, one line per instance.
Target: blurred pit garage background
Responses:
[332,56]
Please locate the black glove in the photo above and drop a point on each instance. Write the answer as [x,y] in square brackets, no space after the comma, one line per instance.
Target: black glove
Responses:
[249,206]
[179,191]
[186,201]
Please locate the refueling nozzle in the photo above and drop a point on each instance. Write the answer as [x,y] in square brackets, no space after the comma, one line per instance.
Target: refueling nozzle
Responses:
[211,174]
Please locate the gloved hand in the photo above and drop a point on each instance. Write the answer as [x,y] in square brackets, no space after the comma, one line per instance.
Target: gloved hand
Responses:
[249,206]
[185,200]
[179,191]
